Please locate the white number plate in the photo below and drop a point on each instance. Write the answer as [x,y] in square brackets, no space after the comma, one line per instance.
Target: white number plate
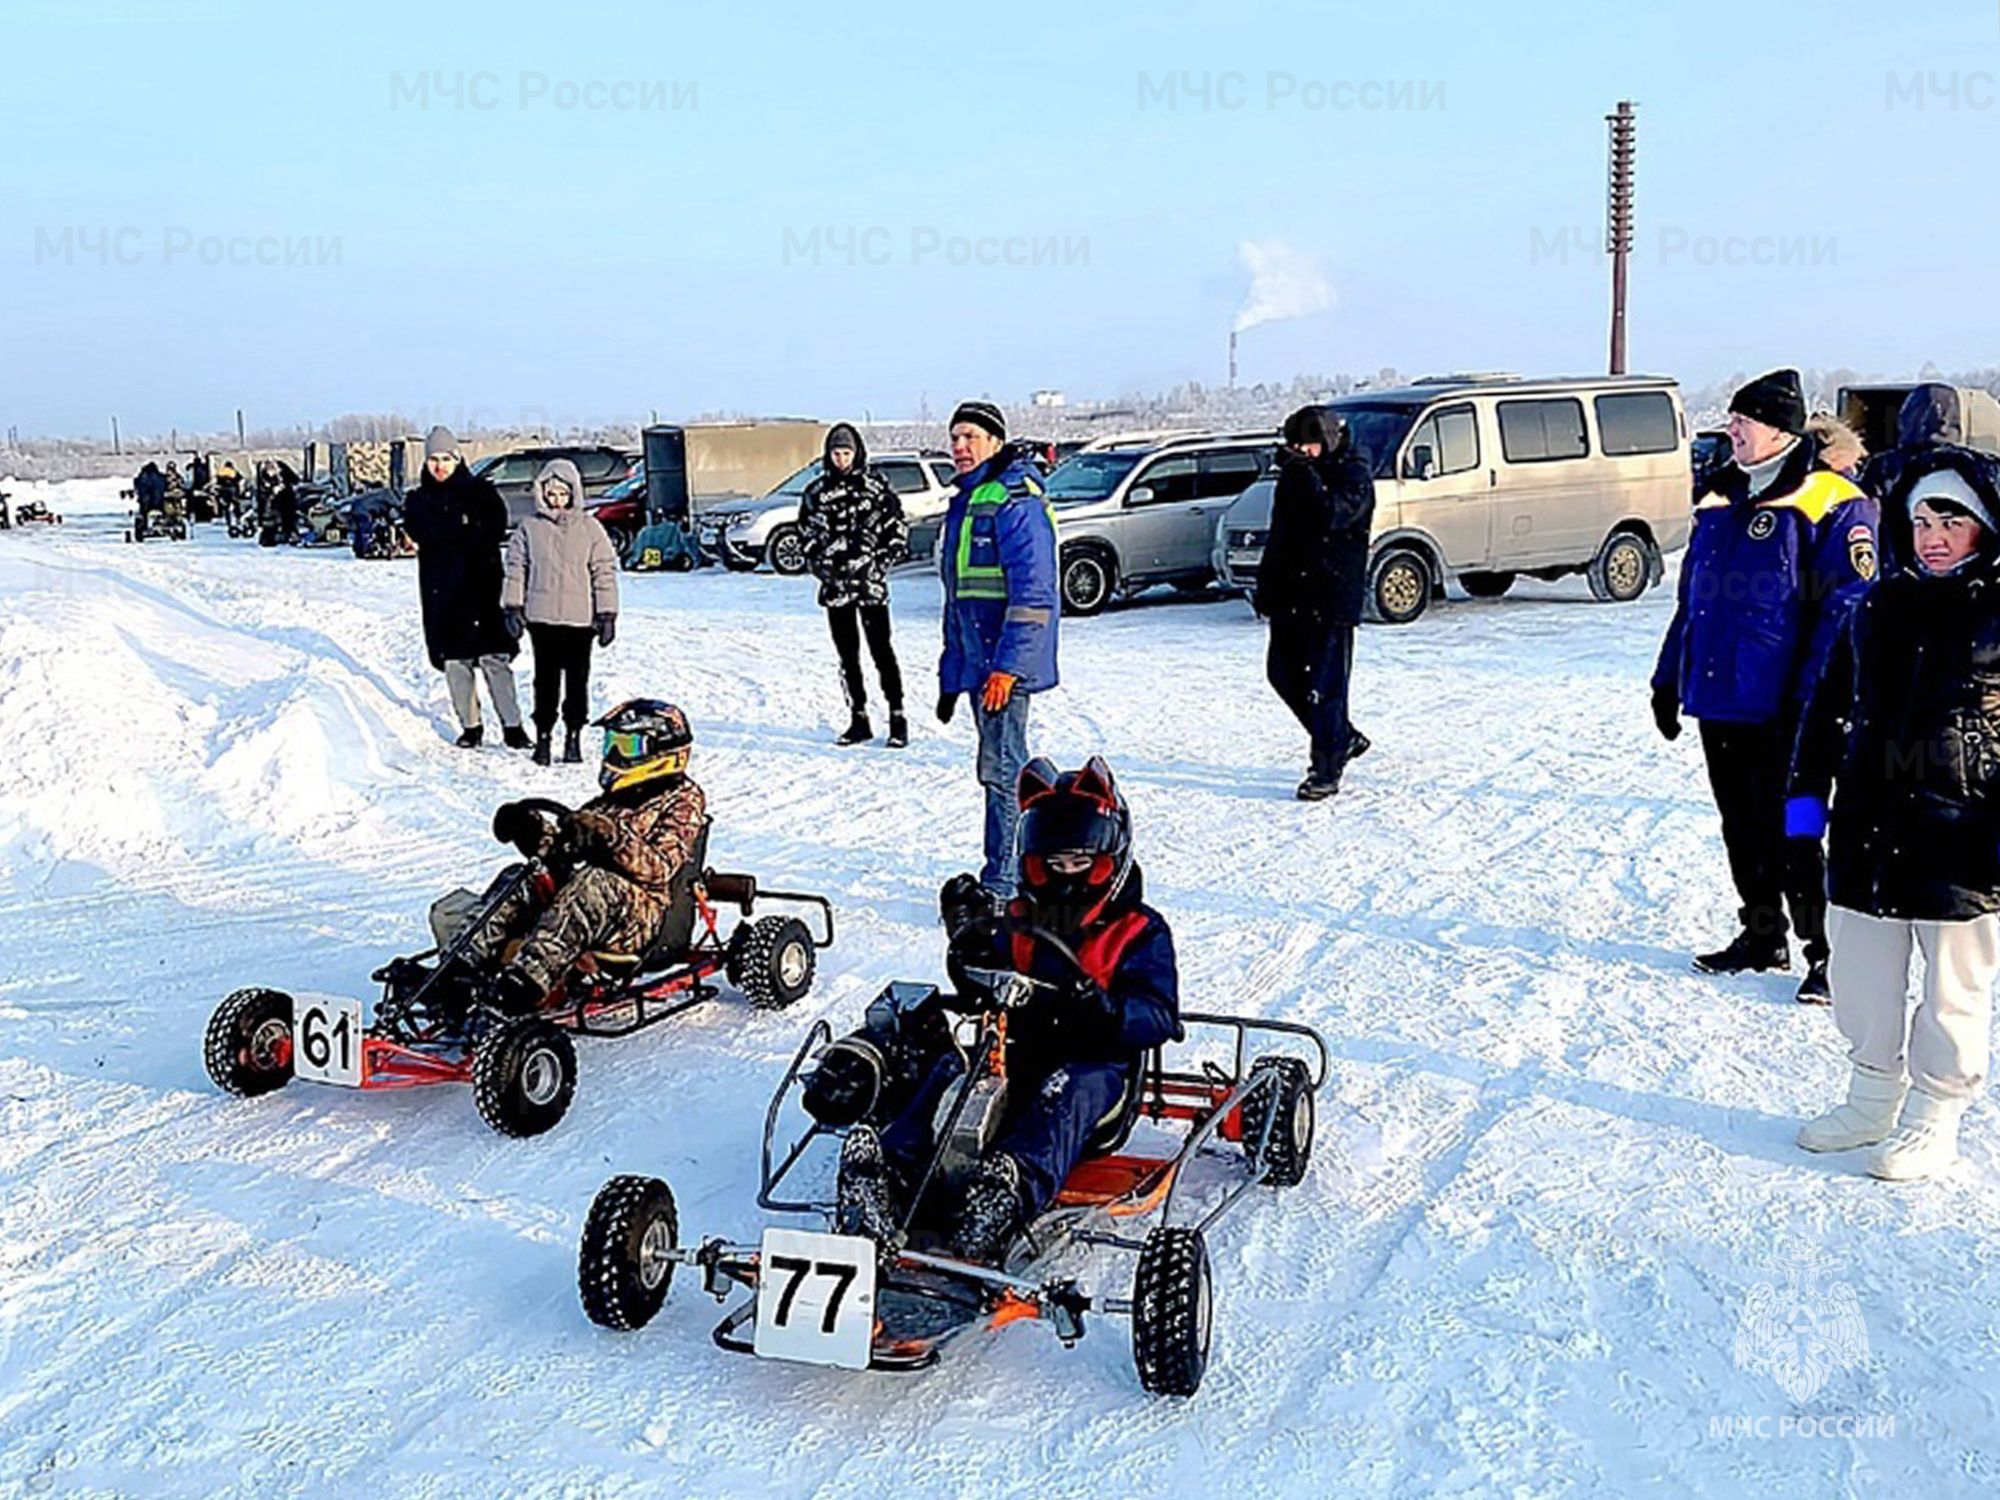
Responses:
[326,1040]
[816,1298]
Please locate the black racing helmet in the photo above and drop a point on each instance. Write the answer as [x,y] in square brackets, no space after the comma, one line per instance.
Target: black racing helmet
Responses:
[1071,812]
[645,739]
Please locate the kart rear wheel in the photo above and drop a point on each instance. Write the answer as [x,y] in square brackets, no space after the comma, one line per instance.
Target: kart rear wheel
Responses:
[624,1265]
[1172,1309]
[248,1048]
[523,1076]
[1286,1107]
[775,964]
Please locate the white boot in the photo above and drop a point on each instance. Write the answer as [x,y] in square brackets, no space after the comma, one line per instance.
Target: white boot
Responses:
[1924,1144]
[1873,1102]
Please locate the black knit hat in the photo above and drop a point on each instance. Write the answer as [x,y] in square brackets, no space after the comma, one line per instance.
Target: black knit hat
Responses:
[981,414]
[1306,425]
[1777,400]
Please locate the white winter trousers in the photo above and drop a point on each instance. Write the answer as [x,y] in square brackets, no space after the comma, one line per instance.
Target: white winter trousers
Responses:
[498,671]
[1943,1045]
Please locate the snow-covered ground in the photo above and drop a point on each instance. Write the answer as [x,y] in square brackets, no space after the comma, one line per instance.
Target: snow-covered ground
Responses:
[1553,1163]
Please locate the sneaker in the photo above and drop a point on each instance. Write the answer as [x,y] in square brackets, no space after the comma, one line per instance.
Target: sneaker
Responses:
[1813,989]
[858,731]
[899,731]
[992,1212]
[1747,954]
[573,747]
[1358,744]
[541,756]
[515,737]
[469,740]
[867,1202]
[1317,788]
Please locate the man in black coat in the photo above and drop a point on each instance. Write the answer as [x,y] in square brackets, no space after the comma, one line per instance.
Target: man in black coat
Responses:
[1311,586]
[459,524]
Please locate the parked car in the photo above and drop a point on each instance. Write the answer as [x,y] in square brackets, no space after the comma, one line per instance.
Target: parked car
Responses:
[1139,511]
[1485,478]
[1708,451]
[621,510]
[746,535]
[513,473]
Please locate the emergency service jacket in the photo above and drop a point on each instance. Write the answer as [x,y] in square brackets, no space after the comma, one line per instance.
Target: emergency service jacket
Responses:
[1754,617]
[998,558]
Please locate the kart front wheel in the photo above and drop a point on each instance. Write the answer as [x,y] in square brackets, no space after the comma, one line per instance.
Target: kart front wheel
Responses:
[1278,1122]
[774,965]
[248,1048]
[625,1263]
[1172,1307]
[523,1076]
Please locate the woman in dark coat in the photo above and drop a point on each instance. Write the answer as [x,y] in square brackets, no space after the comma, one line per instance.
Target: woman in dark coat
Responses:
[1904,731]
[853,528]
[459,524]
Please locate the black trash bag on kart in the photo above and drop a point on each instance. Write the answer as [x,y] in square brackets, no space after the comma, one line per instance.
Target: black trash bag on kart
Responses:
[872,1073]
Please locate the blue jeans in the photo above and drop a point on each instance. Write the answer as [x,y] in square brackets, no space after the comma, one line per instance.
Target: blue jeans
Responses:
[1003,750]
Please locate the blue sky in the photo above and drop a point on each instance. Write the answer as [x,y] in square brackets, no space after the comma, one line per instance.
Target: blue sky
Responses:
[604,264]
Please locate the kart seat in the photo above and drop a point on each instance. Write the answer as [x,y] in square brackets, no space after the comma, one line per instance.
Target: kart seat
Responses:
[676,930]
[1111,1131]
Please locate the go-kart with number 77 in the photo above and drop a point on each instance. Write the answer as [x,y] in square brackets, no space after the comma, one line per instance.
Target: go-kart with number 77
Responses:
[434,1025]
[844,1300]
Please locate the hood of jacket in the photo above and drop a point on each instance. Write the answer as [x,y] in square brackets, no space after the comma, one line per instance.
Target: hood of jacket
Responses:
[843,435]
[563,469]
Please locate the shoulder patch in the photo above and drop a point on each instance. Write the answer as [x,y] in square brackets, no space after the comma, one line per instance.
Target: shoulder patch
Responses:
[1861,552]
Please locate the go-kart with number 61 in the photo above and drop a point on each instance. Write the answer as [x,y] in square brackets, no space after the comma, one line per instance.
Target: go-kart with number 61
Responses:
[844,1300]
[439,1023]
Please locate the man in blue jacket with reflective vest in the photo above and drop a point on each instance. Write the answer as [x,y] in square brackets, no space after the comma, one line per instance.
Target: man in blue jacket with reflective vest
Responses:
[1776,537]
[998,558]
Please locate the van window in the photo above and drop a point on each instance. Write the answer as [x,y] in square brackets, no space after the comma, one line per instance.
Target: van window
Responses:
[1225,474]
[1452,435]
[1171,480]
[1637,422]
[1533,432]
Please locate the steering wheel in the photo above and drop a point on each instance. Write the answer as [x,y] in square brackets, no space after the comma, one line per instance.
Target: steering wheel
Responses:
[508,830]
[1007,989]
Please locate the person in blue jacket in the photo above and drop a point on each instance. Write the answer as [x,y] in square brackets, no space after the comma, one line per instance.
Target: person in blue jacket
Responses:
[998,558]
[1070,1049]
[1777,537]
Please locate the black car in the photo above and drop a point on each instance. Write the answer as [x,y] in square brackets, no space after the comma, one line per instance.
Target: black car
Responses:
[513,473]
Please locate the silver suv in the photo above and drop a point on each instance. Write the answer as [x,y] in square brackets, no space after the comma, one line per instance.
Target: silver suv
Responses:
[745,534]
[1133,512]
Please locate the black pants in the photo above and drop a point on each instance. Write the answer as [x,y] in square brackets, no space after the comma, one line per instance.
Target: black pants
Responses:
[1310,663]
[562,671]
[1747,768]
[849,622]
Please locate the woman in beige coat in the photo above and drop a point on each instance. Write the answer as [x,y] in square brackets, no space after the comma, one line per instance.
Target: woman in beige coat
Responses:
[562,587]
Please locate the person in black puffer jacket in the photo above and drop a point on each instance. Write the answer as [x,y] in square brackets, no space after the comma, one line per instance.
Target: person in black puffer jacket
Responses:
[1311,586]
[1903,731]
[459,524]
[854,532]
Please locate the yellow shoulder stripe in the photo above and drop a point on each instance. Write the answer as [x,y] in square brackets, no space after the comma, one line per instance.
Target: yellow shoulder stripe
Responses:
[1819,494]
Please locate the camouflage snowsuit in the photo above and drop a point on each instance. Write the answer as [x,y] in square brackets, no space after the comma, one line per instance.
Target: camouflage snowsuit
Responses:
[614,900]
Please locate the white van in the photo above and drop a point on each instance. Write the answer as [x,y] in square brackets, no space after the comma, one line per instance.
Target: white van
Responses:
[1487,477]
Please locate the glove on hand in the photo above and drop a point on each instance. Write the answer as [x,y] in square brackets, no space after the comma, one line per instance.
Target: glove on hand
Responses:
[590,835]
[515,619]
[607,627]
[517,824]
[1085,1012]
[999,688]
[1667,712]
[946,707]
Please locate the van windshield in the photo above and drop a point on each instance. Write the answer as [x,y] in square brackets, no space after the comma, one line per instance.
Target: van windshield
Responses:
[1378,429]
[1084,477]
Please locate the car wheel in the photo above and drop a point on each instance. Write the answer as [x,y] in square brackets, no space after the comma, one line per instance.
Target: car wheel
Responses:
[620,539]
[1087,581]
[625,1263]
[1173,1300]
[1486,585]
[787,551]
[1399,588]
[1622,569]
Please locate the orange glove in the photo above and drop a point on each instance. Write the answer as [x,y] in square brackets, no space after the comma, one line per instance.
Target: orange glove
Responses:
[999,688]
